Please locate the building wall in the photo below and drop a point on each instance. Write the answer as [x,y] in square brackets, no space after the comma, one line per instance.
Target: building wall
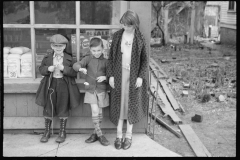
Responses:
[227,17]
[21,113]
[228,35]
[227,25]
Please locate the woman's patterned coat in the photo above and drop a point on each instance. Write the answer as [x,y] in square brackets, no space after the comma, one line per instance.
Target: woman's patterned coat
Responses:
[138,97]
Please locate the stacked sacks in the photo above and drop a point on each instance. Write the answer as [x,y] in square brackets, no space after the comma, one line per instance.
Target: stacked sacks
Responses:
[26,65]
[13,61]
[6,51]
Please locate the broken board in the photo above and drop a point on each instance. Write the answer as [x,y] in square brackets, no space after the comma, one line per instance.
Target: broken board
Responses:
[166,108]
[155,70]
[154,64]
[169,94]
[165,125]
[193,140]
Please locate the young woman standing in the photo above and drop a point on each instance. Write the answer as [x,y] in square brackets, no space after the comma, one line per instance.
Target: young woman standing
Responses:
[127,72]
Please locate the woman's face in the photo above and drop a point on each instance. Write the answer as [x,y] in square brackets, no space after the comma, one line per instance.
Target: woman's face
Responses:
[128,28]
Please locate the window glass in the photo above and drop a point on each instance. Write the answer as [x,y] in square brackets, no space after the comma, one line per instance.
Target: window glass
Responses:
[55,12]
[100,12]
[231,5]
[16,12]
[43,44]
[17,53]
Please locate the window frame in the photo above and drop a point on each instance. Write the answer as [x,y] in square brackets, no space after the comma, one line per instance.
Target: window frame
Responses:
[124,5]
[234,6]
[31,84]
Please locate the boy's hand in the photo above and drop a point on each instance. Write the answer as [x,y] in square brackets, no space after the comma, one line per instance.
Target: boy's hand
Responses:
[51,68]
[83,70]
[101,78]
[60,67]
[138,82]
[111,82]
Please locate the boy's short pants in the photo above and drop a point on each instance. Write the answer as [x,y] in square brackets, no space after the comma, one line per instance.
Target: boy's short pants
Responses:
[102,99]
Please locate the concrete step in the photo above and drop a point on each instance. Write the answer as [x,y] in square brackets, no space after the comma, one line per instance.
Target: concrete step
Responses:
[22,145]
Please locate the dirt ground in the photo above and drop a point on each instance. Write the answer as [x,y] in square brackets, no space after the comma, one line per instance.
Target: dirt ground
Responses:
[198,65]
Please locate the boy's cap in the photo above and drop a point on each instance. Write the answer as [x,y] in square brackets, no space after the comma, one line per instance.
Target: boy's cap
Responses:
[58,38]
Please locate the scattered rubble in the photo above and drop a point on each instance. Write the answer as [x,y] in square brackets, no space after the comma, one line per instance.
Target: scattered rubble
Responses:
[221,98]
[197,118]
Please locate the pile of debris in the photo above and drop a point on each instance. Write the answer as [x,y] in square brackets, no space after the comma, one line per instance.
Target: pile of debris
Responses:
[163,98]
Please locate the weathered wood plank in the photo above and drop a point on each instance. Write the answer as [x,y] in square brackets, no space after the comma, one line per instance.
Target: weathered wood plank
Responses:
[22,105]
[78,111]
[19,123]
[40,111]
[165,125]
[10,107]
[195,143]
[105,111]
[32,106]
[157,66]
[156,71]
[166,108]
[172,100]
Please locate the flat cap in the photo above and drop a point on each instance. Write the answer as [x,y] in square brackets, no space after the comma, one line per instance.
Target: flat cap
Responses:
[58,38]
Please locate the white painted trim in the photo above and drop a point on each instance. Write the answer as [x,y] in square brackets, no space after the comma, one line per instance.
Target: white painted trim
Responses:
[123,7]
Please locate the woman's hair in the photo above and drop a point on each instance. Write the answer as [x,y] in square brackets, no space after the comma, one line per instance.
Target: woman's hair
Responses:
[95,41]
[130,18]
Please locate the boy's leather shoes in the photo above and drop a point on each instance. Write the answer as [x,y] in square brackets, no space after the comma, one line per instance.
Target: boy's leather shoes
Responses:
[103,140]
[127,143]
[92,138]
[118,143]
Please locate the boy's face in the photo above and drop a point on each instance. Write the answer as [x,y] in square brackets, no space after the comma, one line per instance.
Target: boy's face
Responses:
[58,48]
[96,51]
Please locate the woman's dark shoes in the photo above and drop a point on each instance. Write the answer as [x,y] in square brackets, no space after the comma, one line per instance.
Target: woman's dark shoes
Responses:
[127,143]
[103,140]
[92,138]
[118,143]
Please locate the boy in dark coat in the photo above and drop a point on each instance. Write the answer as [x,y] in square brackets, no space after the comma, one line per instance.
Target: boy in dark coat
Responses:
[58,91]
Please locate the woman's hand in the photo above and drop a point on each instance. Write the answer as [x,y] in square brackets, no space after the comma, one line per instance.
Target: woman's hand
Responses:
[139,82]
[111,82]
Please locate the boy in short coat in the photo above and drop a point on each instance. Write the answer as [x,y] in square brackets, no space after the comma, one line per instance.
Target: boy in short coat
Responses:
[58,91]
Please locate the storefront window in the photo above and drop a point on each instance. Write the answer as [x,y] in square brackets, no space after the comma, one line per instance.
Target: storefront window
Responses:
[85,37]
[97,18]
[100,12]
[55,12]
[43,45]
[17,53]
[16,12]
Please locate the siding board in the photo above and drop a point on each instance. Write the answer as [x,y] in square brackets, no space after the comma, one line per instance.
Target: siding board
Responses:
[227,17]
[10,107]
[32,106]
[22,105]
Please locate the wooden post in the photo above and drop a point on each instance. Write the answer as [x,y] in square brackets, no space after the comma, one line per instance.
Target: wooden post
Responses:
[192,23]
[166,25]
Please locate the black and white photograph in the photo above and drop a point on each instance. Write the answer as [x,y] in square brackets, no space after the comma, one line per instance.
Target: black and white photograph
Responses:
[119,79]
